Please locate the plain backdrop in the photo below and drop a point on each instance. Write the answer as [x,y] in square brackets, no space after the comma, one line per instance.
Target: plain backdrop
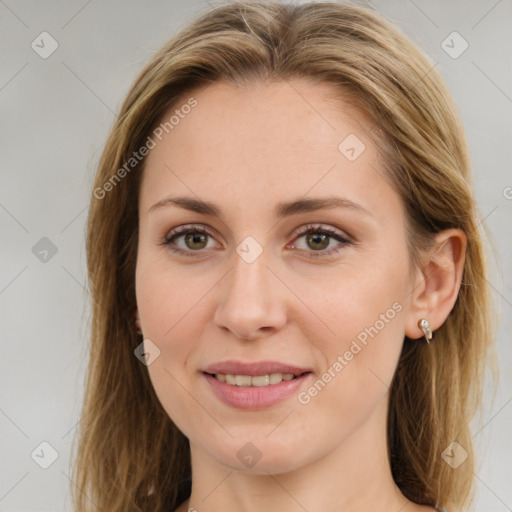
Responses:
[56,113]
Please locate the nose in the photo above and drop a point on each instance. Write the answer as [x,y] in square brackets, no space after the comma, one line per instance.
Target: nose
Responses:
[251,300]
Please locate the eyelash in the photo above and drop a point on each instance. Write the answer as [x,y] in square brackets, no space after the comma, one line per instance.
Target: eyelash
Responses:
[306,230]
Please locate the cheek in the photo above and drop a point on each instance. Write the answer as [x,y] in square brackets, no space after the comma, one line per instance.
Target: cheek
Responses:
[168,300]
[161,306]
[171,310]
[365,313]
[363,302]
[163,311]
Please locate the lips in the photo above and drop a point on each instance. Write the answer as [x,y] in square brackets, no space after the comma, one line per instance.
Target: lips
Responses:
[254,369]
[254,385]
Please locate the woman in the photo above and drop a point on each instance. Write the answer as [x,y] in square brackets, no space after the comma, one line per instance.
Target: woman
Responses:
[290,302]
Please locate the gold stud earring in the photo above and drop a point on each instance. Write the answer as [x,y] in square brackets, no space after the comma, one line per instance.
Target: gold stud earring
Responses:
[424,325]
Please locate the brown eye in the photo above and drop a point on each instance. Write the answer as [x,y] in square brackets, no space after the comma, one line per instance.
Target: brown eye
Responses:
[317,240]
[195,239]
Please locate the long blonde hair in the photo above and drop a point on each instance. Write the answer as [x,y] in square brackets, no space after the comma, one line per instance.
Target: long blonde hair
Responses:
[130,456]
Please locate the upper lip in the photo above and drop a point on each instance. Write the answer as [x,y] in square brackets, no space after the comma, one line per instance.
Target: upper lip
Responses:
[253,369]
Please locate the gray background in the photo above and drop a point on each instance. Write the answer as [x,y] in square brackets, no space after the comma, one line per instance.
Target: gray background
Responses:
[56,115]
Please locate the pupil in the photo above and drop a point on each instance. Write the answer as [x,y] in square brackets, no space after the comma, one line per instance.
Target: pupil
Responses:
[324,240]
[195,238]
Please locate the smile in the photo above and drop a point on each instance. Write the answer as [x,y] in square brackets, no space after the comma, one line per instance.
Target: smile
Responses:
[255,391]
[254,380]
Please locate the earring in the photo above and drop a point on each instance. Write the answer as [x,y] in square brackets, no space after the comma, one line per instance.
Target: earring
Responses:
[424,325]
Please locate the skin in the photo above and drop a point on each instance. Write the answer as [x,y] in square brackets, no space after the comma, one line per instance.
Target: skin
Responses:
[247,149]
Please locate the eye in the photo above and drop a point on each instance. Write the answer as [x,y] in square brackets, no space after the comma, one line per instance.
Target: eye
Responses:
[194,237]
[319,239]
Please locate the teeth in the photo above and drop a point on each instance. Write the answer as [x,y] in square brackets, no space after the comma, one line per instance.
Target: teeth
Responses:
[243,380]
[256,381]
[276,378]
[260,380]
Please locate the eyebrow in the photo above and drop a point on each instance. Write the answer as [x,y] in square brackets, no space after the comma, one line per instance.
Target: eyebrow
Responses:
[284,209]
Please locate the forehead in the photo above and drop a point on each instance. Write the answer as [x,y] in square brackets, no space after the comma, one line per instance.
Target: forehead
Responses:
[262,144]
[287,114]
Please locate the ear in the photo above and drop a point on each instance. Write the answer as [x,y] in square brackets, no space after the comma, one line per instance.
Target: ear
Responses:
[137,321]
[437,283]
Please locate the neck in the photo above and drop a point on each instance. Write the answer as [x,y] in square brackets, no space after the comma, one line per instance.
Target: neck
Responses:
[355,476]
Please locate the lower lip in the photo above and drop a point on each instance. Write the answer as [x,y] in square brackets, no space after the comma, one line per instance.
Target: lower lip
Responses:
[252,397]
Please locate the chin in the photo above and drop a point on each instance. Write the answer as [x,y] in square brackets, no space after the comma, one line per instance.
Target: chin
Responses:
[260,457]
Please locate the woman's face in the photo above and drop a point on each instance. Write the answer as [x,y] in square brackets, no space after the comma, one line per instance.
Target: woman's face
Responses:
[250,296]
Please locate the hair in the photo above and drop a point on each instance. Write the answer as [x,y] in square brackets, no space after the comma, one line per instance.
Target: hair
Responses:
[130,455]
